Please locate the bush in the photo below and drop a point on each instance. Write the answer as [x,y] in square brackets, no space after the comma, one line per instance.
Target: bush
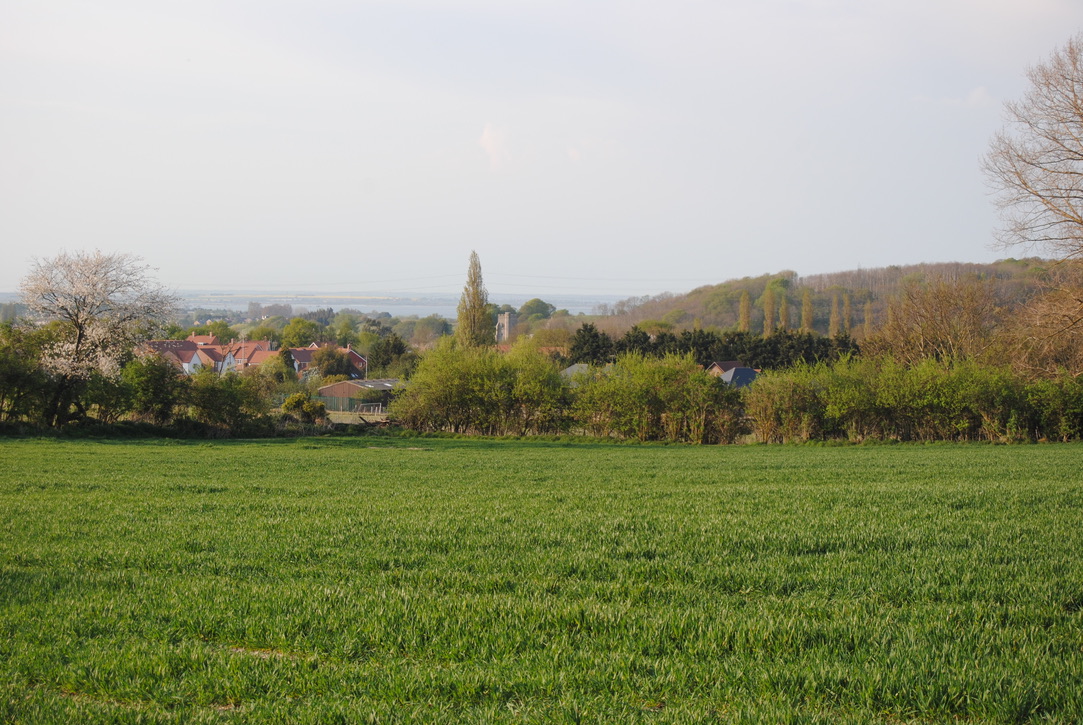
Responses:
[481,391]
[650,399]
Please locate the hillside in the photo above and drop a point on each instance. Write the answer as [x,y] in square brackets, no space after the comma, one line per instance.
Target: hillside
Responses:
[860,295]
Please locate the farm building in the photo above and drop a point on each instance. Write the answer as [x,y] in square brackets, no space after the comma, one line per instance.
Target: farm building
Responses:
[369,396]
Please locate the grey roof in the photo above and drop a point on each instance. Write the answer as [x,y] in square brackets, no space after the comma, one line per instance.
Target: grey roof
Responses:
[375,384]
[378,383]
[739,376]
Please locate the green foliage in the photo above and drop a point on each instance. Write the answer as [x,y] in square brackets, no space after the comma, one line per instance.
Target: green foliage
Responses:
[301,333]
[219,328]
[302,407]
[476,325]
[536,309]
[779,350]
[646,399]
[265,332]
[1058,408]
[386,350]
[479,390]
[880,399]
[331,361]
[24,386]
[438,581]
[230,404]
[105,398]
[156,388]
[345,330]
[429,329]
[590,346]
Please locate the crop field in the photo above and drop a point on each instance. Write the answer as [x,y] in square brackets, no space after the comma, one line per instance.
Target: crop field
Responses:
[436,580]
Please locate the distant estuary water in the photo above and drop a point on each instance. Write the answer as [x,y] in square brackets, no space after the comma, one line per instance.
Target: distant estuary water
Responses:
[443,305]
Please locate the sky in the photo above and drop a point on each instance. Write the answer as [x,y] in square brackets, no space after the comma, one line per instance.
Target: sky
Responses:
[579,146]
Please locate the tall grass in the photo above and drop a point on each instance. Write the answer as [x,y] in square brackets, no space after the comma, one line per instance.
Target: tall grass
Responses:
[337,580]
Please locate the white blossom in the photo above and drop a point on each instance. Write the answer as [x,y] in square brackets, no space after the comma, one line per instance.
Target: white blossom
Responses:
[105,303]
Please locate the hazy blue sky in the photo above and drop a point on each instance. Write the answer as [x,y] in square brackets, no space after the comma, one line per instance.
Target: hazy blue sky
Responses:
[590,145]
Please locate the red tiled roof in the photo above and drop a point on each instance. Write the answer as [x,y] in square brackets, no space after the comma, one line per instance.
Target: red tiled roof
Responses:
[258,357]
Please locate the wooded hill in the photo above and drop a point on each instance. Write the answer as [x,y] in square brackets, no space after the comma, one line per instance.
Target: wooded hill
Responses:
[856,300]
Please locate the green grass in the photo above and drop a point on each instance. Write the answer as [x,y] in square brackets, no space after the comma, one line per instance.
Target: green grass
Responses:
[402,580]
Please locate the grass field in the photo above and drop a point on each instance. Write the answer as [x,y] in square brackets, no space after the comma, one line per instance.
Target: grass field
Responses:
[401,580]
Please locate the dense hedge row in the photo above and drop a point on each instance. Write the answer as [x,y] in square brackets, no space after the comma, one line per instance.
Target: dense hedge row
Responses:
[671,398]
[862,399]
[479,390]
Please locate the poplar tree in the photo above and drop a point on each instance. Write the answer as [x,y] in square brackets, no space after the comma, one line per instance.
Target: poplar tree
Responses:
[833,327]
[847,314]
[783,313]
[744,315]
[768,311]
[806,311]
[476,327]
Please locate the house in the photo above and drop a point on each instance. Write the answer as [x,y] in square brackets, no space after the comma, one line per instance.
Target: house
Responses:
[204,351]
[259,357]
[740,377]
[245,354]
[572,370]
[184,354]
[717,369]
[199,352]
[302,359]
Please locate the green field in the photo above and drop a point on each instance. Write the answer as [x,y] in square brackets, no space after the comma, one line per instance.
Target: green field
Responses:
[402,580]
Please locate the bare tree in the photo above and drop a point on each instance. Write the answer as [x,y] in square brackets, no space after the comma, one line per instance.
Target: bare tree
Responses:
[102,304]
[1035,164]
[940,320]
[1045,334]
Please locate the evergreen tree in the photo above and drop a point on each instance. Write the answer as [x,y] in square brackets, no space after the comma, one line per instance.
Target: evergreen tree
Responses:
[476,327]
[590,345]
